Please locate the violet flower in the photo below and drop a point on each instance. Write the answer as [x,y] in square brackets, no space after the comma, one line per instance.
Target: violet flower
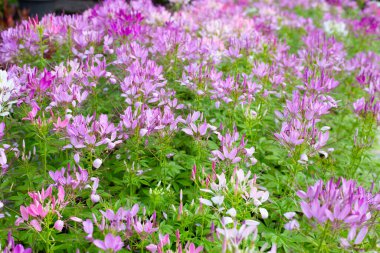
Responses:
[88,132]
[342,203]
[163,240]
[11,247]
[111,243]
[233,151]
[197,130]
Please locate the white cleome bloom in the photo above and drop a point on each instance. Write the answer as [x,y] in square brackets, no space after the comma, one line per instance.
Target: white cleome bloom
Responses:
[184,2]
[335,27]
[1,206]
[7,89]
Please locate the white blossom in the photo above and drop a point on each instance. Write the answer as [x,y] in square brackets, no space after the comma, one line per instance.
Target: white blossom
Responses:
[7,91]
[336,27]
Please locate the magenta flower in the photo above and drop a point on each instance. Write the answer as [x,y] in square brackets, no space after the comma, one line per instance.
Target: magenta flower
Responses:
[2,128]
[146,227]
[367,24]
[43,203]
[19,248]
[58,225]
[88,227]
[61,124]
[359,105]
[36,225]
[163,240]
[111,243]
[193,249]
[11,247]
[363,107]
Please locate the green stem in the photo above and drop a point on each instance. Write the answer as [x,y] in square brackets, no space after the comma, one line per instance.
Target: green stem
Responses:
[45,157]
[323,237]
[130,171]
[42,238]
[374,221]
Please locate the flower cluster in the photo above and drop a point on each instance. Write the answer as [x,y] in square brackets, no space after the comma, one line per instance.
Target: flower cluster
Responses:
[232,151]
[302,114]
[126,223]
[8,93]
[86,132]
[244,188]
[12,247]
[139,127]
[202,129]
[343,204]
[44,207]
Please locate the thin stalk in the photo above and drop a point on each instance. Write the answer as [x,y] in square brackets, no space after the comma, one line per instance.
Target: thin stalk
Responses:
[323,237]
[45,157]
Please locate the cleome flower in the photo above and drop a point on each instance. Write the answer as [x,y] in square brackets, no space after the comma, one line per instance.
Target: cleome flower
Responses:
[8,90]
[343,204]
[45,205]
[240,187]
[197,130]
[88,132]
[233,151]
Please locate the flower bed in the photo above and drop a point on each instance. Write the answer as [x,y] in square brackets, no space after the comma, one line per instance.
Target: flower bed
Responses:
[209,126]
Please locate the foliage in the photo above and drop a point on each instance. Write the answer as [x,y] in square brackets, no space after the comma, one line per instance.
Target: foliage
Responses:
[214,126]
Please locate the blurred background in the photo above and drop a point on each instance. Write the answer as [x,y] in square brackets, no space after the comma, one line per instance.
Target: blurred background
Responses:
[12,11]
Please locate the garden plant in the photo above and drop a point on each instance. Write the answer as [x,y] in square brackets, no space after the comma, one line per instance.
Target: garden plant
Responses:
[203,126]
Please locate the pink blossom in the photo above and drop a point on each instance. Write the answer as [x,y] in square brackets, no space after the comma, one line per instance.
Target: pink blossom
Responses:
[58,225]
[111,242]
